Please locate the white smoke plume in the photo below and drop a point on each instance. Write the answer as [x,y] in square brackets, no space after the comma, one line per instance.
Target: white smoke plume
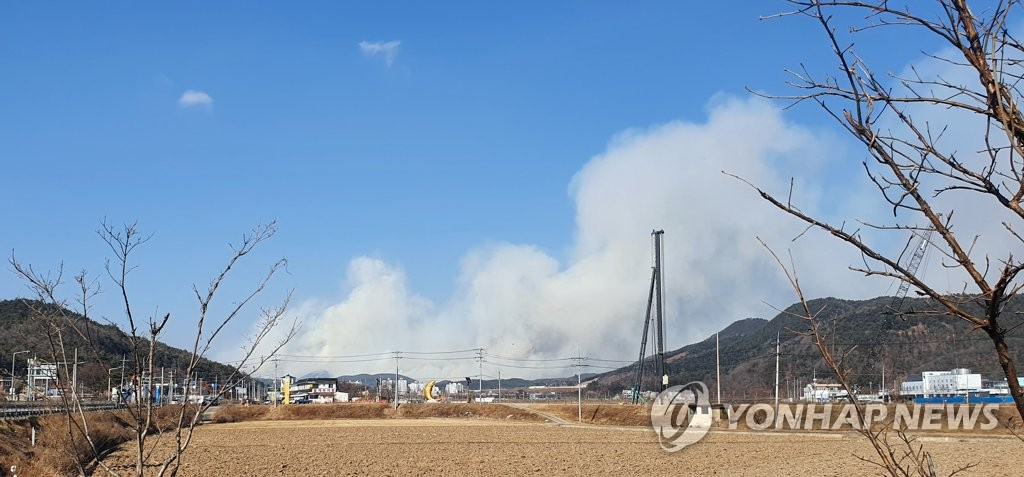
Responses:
[515,300]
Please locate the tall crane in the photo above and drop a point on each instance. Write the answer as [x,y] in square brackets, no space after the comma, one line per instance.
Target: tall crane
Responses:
[896,305]
[656,291]
[912,266]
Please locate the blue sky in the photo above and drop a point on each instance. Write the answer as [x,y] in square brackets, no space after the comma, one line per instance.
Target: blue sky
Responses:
[469,137]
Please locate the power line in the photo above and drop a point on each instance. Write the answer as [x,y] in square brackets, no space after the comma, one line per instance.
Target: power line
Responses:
[455,358]
[610,360]
[329,361]
[538,360]
[471,350]
[517,366]
[342,356]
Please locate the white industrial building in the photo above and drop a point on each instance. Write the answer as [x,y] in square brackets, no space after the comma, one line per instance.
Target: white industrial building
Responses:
[823,392]
[956,382]
[42,378]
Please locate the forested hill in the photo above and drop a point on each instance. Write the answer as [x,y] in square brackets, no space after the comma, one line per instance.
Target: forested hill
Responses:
[908,347]
[19,331]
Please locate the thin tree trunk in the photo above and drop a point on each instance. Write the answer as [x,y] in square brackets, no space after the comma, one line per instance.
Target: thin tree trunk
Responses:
[1009,368]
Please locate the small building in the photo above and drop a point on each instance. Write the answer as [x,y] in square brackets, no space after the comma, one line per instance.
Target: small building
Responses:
[823,392]
[318,390]
[998,387]
[42,378]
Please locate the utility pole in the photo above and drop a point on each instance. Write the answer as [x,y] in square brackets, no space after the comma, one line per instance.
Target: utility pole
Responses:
[278,390]
[884,394]
[480,377]
[778,353]
[499,385]
[74,377]
[75,394]
[398,356]
[718,371]
[124,361]
[579,387]
[660,277]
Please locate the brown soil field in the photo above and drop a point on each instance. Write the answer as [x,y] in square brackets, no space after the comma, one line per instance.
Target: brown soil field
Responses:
[435,446]
[613,414]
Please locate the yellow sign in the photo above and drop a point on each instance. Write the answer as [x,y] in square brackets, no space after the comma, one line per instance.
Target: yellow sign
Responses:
[286,386]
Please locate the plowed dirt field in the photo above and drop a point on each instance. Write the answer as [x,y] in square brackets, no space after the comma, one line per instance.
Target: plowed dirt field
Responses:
[494,447]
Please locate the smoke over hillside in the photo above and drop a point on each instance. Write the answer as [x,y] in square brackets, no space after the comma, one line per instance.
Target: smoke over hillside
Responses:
[518,301]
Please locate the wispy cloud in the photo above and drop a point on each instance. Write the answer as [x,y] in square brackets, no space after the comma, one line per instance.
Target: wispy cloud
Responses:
[194,98]
[389,49]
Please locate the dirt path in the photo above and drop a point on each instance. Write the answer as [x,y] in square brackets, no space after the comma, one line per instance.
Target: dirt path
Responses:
[208,414]
[546,415]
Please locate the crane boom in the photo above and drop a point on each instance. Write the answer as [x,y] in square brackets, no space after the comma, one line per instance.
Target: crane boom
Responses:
[655,300]
[912,266]
[896,305]
[643,339]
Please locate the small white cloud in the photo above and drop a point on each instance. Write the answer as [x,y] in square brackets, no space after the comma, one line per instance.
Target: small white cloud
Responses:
[192,98]
[389,49]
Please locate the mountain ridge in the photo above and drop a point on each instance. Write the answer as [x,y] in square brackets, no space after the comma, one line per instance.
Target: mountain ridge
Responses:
[110,345]
[918,343]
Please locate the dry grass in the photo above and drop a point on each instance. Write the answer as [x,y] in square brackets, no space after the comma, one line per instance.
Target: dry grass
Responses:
[372,411]
[226,414]
[488,411]
[604,414]
[61,451]
[16,450]
[58,452]
[329,411]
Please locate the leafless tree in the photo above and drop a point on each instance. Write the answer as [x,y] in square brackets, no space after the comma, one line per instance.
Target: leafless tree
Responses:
[898,457]
[152,423]
[915,168]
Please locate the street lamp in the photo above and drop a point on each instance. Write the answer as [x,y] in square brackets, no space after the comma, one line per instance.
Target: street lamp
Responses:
[16,353]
